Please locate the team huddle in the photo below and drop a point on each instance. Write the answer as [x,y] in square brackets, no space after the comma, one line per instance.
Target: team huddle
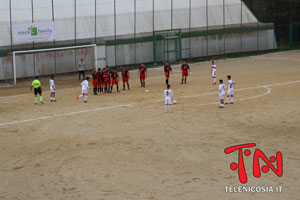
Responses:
[104,81]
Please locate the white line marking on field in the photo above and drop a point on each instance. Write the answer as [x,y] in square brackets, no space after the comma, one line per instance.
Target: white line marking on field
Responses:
[66,114]
[133,104]
[75,88]
[243,99]
[275,58]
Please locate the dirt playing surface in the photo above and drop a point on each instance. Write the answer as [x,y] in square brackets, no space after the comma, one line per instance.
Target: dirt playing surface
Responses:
[123,145]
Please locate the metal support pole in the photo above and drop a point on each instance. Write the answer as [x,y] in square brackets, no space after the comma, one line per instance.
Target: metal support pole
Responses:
[75,27]
[241,26]
[224,27]
[207,27]
[54,39]
[11,42]
[14,67]
[10,21]
[171,14]
[75,20]
[153,16]
[115,26]
[154,36]
[180,47]
[134,31]
[96,56]
[190,25]
[34,71]
[95,21]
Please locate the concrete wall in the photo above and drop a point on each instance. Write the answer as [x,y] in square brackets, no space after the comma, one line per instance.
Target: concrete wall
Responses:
[66,61]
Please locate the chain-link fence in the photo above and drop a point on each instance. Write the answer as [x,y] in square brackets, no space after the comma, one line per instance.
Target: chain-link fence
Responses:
[284,14]
[124,29]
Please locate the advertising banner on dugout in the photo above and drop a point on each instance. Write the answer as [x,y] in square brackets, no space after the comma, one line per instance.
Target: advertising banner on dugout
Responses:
[44,31]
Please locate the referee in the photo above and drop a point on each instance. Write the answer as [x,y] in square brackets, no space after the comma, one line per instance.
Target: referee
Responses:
[36,84]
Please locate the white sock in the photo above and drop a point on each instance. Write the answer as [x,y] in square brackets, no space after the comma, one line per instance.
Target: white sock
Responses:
[85,98]
[54,99]
[231,99]
[214,80]
[170,108]
[80,96]
[227,99]
[51,99]
[166,108]
[222,105]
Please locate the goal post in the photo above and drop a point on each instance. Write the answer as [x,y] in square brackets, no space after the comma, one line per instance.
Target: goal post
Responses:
[167,45]
[66,58]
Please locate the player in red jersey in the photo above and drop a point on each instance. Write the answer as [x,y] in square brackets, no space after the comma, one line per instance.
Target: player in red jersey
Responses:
[95,84]
[99,81]
[102,77]
[115,80]
[125,77]
[104,80]
[143,74]
[168,70]
[185,68]
[108,79]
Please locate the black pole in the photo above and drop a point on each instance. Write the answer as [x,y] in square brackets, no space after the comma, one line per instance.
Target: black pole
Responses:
[95,21]
[190,24]
[134,31]
[11,36]
[54,39]
[32,19]
[34,71]
[75,27]
[115,26]
[207,27]
[171,14]
[241,26]
[257,25]
[224,21]
[153,12]
[11,33]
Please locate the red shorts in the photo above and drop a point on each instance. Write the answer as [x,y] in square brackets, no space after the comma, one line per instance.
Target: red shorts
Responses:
[167,75]
[108,82]
[95,83]
[185,73]
[142,77]
[99,83]
[125,80]
[115,82]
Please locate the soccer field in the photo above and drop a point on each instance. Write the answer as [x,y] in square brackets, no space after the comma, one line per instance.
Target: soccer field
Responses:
[123,145]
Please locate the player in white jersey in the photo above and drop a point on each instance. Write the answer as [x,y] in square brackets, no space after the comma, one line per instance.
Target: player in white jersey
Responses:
[52,89]
[213,72]
[168,99]
[222,88]
[84,90]
[230,91]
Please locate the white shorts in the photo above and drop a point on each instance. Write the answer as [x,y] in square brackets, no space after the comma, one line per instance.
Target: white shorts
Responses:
[221,95]
[230,92]
[213,74]
[84,91]
[168,101]
[52,90]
